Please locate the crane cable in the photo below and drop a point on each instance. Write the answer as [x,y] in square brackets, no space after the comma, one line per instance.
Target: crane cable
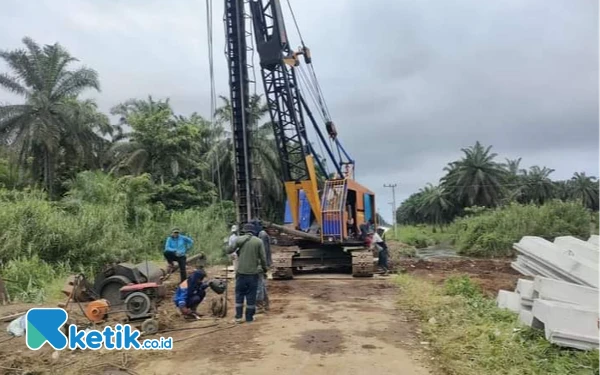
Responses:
[213,95]
[313,76]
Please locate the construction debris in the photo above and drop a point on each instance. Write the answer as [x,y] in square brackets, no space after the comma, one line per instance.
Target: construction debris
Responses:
[562,299]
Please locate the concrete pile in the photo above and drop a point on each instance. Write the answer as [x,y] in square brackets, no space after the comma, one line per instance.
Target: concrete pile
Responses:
[562,299]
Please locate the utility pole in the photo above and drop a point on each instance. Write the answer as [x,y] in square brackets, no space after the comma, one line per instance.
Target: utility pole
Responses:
[393,187]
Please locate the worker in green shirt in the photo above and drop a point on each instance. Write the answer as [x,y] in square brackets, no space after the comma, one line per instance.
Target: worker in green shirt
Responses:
[251,260]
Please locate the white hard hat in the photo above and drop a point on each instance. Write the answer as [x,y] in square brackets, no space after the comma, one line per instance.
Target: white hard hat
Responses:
[234,228]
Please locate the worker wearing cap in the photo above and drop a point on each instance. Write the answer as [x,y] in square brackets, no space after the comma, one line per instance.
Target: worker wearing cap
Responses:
[251,261]
[176,246]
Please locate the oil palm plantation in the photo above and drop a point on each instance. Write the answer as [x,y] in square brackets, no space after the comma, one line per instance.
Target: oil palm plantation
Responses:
[47,122]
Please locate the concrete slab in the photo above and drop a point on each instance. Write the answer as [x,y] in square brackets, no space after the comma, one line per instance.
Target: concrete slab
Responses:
[567,324]
[525,288]
[562,291]
[526,317]
[509,300]
[579,249]
[594,239]
[537,267]
[550,255]
[522,269]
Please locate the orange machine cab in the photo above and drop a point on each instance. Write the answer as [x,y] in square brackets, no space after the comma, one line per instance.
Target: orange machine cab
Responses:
[345,206]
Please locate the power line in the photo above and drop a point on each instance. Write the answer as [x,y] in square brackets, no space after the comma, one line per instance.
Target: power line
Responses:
[393,187]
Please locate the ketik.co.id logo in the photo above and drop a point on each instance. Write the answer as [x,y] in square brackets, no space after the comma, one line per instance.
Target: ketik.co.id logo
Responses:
[44,326]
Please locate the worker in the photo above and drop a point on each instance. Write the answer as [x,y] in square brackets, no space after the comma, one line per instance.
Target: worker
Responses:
[266,240]
[251,260]
[176,247]
[262,297]
[230,242]
[364,231]
[190,293]
[382,249]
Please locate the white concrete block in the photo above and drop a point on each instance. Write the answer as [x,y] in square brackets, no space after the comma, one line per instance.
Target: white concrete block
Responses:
[579,249]
[594,239]
[526,317]
[539,267]
[522,269]
[509,300]
[562,291]
[567,324]
[549,255]
[525,288]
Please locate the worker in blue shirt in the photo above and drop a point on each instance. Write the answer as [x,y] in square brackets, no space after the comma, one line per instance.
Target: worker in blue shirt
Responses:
[175,248]
[190,293]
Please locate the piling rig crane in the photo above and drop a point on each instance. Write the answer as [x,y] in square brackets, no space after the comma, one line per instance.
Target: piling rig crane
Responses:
[325,213]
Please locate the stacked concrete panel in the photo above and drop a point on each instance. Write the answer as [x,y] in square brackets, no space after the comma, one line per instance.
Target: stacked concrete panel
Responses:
[562,299]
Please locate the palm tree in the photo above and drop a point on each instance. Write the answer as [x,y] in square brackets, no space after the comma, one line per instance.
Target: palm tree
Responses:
[267,168]
[434,204]
[537,186]
[563,190]
[160,143]
[476,179]
[38,128]
[512,166]
[585,189]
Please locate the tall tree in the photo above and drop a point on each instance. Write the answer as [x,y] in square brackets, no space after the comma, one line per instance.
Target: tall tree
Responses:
[476,179]
[42,126]
[537,186]
[585,189]
[434,204]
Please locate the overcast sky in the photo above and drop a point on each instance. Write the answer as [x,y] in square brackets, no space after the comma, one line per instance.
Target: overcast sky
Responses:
[408,83]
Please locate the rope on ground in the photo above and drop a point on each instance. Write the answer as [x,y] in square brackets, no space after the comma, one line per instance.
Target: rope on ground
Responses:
[204,333]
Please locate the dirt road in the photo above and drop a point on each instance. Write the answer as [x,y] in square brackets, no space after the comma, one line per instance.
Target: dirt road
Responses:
[315,327]
[327,324]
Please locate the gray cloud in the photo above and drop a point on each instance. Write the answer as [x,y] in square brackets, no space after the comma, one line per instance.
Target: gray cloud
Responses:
[408,83]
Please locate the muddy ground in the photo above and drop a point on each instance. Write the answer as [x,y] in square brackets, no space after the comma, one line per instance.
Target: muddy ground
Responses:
[330,324]
[490,274]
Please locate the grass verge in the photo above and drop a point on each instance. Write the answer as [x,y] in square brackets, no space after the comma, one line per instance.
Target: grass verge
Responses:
[469,335]
[420,236]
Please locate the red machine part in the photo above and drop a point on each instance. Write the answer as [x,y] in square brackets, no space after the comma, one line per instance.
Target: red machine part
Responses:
[138,287]
[95,311]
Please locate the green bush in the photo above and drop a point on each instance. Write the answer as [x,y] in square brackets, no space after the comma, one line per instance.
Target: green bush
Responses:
[461,286]
[28,279]
[418,236]
[101,220]
[492,233]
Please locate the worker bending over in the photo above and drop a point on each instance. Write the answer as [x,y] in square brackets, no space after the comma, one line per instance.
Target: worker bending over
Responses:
[251,261]
[190,293]
[175,248]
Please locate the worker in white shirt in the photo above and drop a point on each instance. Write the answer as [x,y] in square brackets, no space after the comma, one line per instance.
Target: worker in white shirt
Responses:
[230,242]
[383,250]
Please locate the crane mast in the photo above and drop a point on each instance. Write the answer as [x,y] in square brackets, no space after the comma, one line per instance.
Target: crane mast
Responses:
[248,206]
